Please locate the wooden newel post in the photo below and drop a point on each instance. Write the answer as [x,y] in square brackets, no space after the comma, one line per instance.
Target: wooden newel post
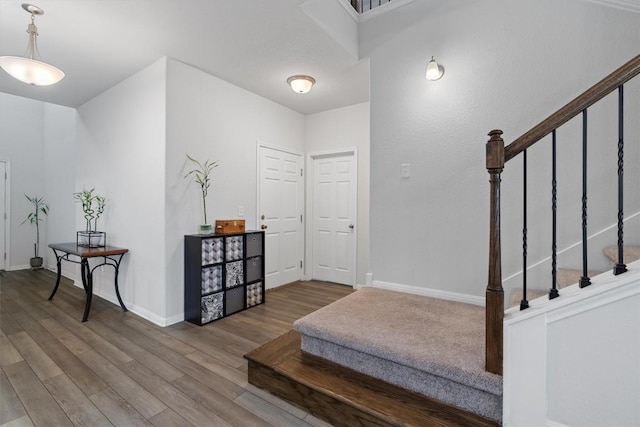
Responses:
[494,293]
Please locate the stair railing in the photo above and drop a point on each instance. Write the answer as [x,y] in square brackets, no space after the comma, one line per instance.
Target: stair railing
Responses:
[362,6]
[497,155]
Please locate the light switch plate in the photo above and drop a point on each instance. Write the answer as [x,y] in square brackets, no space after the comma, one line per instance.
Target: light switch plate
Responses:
[405,170]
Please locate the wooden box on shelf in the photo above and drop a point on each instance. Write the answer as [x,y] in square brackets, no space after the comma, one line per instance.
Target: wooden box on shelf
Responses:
[223,274]
[229,226]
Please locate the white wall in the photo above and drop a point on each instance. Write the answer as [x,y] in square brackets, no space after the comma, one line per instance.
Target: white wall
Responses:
[121,153]
[595,381]
[21,127]
[37,138]
[209,118]
[60,148]
[334,130]
[507,65]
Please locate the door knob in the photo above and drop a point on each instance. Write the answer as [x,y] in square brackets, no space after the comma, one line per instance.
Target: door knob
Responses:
[351,226]
[264,227]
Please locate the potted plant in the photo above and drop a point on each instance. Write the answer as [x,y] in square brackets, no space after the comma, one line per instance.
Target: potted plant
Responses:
[93,207]
[202,173]
[40,209]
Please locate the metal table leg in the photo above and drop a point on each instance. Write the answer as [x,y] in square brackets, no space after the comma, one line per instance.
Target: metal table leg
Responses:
[87,282]
[59,264]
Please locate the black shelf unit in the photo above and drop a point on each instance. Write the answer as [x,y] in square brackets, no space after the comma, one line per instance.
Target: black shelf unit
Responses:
[223,274]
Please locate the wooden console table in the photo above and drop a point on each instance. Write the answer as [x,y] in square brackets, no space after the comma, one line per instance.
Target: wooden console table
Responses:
[111,256]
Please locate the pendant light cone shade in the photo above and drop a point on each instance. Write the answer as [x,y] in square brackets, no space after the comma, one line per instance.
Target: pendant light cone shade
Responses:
[301,84]
[29,70]
[434,72]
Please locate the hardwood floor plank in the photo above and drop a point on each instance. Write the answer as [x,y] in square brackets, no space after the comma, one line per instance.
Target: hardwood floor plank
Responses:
[231,412]
[10,406]
[8,353]
[268,411]
[206,343]
[84,332]
[7,324]
[19,422]
[282,404]
[117,410]
[175,399]
[136,395]
[219,368]
[260,326]
[168,418]
[39,361]
[28,305]
[128,346]
[74,368]
[316,422]
[65,336]
[184,364]
[32,326]
[164,336]
[40,406]
[120,369]
[80,410]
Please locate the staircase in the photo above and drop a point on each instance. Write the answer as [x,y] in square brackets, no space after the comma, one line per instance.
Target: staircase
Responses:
[378,363]
[384,358]
[567,277]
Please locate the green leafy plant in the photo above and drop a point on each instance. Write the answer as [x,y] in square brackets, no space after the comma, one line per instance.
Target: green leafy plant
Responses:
[40,209]
[93,207]
[202,174]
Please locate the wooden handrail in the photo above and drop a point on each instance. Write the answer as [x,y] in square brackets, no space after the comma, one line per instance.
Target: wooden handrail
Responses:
[573,108]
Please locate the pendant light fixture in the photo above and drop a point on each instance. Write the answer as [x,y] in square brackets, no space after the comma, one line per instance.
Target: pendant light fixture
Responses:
[301,84]
[434,71]
[30,70]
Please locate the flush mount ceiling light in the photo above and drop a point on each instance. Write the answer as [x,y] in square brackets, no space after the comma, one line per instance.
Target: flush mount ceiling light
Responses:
[301,84]
[29,70]
[434,71]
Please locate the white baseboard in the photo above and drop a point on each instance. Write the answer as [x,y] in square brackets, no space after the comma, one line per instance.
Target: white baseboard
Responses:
[427,292]
[139,311]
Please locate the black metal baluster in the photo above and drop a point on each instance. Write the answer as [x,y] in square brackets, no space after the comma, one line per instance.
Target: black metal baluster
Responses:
[584,280]
[553,292]
[524,303]
[620,266]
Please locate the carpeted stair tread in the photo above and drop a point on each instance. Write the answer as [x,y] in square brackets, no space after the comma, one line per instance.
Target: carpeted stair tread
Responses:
[629,254]
[516,295]
[396,336]
[567,277]
[342,396]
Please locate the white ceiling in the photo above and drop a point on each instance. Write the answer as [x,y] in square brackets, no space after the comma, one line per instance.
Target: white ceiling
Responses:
[254,44]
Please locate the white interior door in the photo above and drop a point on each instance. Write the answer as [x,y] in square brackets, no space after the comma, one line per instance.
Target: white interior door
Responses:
[334,216]
[280,207]
[3,215]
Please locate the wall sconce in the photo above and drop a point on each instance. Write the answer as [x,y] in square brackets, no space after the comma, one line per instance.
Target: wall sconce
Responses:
[301,84]
[30,70]
[434,71]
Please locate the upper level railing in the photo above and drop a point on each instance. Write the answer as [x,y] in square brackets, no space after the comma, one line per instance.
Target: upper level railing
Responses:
[362,6]
[496,157]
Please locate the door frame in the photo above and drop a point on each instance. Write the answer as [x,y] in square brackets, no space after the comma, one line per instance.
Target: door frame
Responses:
[308,249]
[303,228]
[7,206]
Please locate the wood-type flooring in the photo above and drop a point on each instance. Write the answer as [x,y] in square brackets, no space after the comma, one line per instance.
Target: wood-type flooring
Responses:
[119,369]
